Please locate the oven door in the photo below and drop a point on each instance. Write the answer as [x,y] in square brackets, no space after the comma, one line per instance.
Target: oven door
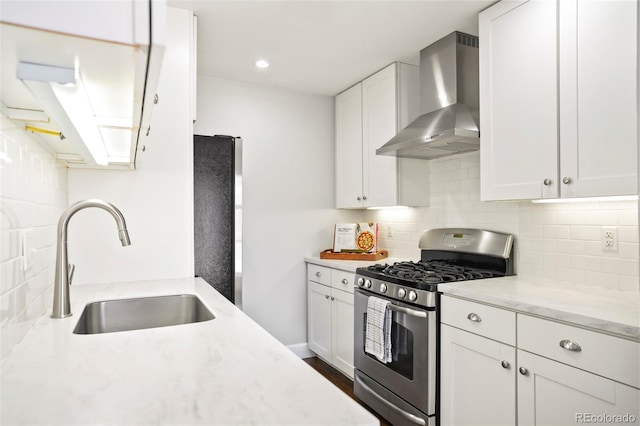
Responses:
[411,375]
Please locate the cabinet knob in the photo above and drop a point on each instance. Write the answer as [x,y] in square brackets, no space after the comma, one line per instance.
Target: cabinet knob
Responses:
[474,317]
[155,99]
[333,298]
[326,296]
[523,371]
[547,182]
[364,198]
[358,198]
[566,180]
[570,346]
[148,131]
[505,364]
[318,274]
[345,281]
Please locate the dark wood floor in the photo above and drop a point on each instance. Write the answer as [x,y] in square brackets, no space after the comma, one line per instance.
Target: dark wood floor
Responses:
[341,381]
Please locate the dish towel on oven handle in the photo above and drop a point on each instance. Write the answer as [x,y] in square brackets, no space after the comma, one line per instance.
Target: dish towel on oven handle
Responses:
[378,329]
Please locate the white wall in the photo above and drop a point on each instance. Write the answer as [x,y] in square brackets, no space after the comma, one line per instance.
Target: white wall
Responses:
[560,242]
[288,193]
[156,200]
[32,197]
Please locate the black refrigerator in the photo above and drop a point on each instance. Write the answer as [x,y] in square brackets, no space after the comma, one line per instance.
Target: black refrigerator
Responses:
[217,183]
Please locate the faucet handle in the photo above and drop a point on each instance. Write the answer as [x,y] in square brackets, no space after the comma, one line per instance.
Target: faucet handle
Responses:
[72,269]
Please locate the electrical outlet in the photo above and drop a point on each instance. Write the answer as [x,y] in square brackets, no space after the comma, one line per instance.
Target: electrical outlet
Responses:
[609,238]
[389,232]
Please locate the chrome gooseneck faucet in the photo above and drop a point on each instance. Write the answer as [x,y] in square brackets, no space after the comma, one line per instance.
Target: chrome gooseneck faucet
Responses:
[64,271]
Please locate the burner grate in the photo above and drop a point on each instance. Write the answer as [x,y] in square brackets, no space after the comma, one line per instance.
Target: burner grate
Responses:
[432,272]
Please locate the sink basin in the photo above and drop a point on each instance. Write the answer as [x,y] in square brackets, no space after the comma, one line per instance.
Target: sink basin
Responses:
[109,316]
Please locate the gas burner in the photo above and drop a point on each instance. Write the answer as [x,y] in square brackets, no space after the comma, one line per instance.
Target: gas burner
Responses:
[430,272]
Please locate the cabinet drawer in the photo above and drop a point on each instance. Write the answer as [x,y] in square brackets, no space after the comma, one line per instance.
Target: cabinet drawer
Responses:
[319,274]
[494,323]
[343,280]
[598,353]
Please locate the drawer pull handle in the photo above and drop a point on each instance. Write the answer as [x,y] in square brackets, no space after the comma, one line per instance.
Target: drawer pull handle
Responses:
[474,317]
[523,371]
[318,274]
[570,346]
[345,281]
[505,364]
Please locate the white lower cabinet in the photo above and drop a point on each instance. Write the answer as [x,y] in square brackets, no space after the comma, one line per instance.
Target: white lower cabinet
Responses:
[477,380]
[330,316]
[552,393]
[556,374]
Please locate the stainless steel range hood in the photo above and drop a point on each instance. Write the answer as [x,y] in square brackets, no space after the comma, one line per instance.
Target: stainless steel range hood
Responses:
[449,102]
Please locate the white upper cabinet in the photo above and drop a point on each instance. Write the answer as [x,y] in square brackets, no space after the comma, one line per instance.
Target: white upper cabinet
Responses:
[598,98]
[367,116]
[379,124]
[349,154]
[558,99]
[109,55]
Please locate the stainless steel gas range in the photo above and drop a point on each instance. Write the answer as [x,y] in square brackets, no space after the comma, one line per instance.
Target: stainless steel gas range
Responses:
[404,388]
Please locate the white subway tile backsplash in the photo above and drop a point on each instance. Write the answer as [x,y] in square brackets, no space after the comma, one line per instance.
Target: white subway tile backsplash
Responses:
[571,246]
[555,232]
[33,194]
[629,283]
[585,233]
[560,242]
[587,263]
[573,276]
[627,218]
[627,251]
[543,218]
[602,279]
[628,234]
[620,266]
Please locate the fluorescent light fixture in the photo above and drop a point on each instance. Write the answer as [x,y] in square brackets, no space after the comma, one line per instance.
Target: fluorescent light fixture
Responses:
[389,208]
[64,98]
[586,199]
[30,115]
[262,64]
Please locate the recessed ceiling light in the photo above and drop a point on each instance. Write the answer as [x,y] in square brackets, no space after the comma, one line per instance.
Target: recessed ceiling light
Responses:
[262,64]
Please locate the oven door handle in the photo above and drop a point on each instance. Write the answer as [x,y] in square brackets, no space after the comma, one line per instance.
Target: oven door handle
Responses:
[414,419]
[408,311]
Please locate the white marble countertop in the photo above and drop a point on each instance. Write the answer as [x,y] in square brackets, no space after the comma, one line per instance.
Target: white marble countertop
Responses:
[603,310]
[228,371]
[350,265]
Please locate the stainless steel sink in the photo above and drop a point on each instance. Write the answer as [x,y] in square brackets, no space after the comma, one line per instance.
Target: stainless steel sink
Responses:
[109,316]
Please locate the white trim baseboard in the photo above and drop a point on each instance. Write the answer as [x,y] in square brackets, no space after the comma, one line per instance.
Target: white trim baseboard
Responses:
[301,350]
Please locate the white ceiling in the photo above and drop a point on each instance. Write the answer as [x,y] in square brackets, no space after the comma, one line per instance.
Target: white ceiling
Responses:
[320,47]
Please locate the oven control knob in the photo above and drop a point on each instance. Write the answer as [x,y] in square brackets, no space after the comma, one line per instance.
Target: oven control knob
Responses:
[360,281]
[413,295]
[367,283]
[383,288]
[402,293]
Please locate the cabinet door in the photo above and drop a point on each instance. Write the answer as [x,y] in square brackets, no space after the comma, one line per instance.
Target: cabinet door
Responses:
[319,319]
[518,100]
[551,393]
[342,325]
[476,389]
[349,165]
[379,124]
[598,111]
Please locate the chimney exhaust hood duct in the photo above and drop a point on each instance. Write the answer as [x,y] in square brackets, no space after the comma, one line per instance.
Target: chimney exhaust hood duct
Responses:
[449,102]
